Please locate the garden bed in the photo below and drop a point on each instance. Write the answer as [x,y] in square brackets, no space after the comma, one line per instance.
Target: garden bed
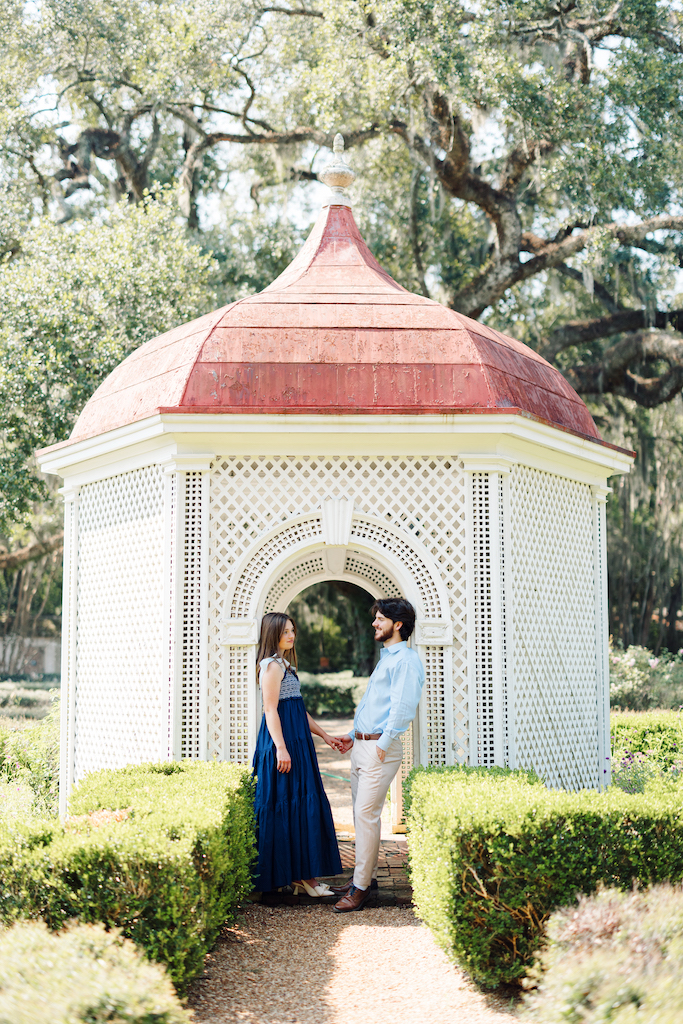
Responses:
[162,851]
[493,853]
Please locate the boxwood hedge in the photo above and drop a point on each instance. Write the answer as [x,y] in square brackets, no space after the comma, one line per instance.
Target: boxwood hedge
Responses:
[168,869]
[83,975]
[493,853]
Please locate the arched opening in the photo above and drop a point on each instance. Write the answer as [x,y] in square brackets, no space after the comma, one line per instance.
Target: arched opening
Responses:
[334,634]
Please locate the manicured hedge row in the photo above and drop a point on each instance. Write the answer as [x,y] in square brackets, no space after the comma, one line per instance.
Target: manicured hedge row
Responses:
[84,975]
[494,853]
[168,872]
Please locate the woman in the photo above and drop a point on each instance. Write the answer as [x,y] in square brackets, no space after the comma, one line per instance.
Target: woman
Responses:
[295,832]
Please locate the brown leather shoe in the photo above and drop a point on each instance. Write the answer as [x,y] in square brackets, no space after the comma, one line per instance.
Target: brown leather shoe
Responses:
[355,899]
[340,890]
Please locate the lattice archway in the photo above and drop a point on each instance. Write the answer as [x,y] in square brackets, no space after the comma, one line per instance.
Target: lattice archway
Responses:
[320,566]
[337,543]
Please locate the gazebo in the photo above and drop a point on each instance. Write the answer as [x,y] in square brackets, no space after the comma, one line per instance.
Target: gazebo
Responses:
[336,426]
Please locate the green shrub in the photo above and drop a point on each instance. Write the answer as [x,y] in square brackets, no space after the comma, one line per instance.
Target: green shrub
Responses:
[494,853]
[321,699]
[169,872]
[640,680]
[82,974]
[659,734]
[645,746]
[617,957]
[29,760]
[27,700]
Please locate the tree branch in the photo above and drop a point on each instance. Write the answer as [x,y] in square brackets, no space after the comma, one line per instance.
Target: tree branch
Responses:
[579,332]
[196,151]
[415,232]
[612,374]
[296,11]
[599,290]
[15,559]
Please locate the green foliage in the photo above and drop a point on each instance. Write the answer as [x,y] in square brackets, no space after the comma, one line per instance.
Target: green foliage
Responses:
[75,302]
[334,623]
[83,974]
[639,680]
[645,535]
[321,699]
[646,747]
[168,868]
[617,958]
[29,701]
[493,854]
[29,761]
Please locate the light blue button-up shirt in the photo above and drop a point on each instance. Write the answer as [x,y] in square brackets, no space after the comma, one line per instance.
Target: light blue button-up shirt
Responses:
[390,701]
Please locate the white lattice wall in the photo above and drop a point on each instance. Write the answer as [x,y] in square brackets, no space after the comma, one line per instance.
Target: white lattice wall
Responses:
[357,565]
[483,520]
[554,634]
[121,713]
[192,670]
[68,684]
[423,497]
[311,566]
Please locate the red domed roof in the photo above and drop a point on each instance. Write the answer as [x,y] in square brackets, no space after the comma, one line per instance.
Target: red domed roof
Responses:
[333,334]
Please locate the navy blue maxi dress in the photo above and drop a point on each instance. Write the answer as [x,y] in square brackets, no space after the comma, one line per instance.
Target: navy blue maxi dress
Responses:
[294,828]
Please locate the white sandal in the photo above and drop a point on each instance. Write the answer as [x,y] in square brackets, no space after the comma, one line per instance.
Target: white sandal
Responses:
[317,891]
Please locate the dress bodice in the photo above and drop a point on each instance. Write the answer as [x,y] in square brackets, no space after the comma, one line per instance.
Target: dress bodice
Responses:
[290,685]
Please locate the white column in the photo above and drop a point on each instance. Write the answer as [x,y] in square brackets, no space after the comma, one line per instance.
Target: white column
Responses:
[69,634]
[244,634]
[601,633]
[186,558]
[488,612]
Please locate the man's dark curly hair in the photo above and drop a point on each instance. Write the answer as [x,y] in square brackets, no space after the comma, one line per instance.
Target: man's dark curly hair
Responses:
[398,610]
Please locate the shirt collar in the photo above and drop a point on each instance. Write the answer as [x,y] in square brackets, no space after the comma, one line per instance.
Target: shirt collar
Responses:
[394,648]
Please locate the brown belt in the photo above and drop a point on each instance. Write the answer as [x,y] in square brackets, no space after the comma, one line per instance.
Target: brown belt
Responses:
[368,735]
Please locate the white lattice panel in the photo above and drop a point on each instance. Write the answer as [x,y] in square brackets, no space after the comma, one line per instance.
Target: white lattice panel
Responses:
[278,545]
[434,705]
[121,656]
[191,644]
[237,697]
[68,641]
[554,645]
[422,496]
[400,549]
[301,571]
[482,615]
[359,566]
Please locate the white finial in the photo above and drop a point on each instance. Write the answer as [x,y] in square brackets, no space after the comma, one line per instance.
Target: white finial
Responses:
[338,175]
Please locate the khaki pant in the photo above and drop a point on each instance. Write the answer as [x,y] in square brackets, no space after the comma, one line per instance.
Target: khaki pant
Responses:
[370,781]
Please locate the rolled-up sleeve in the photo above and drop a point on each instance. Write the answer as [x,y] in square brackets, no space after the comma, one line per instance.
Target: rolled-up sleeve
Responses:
[407,680]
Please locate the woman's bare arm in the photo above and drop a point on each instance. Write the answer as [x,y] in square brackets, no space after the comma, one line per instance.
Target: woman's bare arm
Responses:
[318,730]
[270,691]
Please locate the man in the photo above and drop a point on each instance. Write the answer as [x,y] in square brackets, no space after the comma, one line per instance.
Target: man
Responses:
[385,712]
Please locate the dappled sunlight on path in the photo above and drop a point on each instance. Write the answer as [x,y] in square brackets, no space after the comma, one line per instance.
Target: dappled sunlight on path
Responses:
[307,965]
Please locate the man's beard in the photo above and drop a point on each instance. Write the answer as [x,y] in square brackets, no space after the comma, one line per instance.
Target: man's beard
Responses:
[385,634]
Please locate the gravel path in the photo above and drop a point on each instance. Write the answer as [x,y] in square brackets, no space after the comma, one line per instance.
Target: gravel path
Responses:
[307,965]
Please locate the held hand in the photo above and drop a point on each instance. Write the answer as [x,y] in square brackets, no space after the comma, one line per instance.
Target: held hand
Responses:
[284,761]
[345,744]
[381,753]
[331,741]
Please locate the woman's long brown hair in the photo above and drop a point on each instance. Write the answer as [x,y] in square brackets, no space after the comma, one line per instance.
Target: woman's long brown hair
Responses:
[273,626]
